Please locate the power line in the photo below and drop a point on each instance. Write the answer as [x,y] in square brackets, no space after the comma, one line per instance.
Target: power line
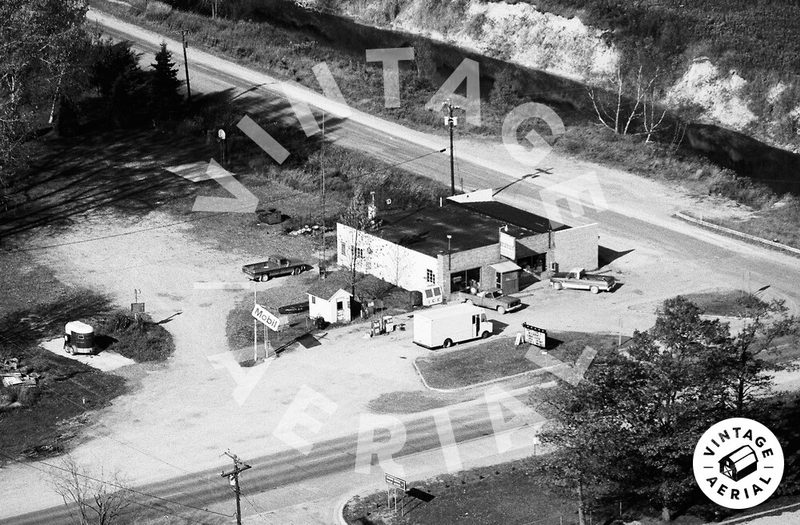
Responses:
[210,215]
[115,485]
[259,510]
[121,442]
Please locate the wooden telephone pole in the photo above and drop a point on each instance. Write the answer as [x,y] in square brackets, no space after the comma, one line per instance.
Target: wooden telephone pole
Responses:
[450,121]
[186,66]
[238,467]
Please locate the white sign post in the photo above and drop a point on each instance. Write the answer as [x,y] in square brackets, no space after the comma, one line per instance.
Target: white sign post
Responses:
[265,317]
[394,482]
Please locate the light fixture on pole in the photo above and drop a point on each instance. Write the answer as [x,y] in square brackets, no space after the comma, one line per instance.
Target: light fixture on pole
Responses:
[450,121]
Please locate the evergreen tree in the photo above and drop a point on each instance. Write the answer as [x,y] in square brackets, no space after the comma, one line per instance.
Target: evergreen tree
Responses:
[165,99]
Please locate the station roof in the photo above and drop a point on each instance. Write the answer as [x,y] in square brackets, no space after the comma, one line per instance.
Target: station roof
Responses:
[471,226]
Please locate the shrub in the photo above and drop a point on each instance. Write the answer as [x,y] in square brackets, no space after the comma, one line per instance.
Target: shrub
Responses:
[138,6]
[157,10]
[135,336]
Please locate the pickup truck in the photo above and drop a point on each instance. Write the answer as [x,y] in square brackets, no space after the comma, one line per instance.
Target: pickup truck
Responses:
[578,279]
[274,266]
[492,299]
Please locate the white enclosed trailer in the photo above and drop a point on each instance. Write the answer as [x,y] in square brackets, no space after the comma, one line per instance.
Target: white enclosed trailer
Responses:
[78,338]
[449,325]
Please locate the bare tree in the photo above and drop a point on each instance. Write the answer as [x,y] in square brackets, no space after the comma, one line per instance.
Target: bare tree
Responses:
[214,5]
[357,217]
[91,500]
[633,104]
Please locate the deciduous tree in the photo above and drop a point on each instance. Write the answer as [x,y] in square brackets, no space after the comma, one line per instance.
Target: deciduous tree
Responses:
[633,423]
[41,46]
[92,500]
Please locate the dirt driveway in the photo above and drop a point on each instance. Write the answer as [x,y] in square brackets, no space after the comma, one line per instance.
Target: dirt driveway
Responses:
[181,416]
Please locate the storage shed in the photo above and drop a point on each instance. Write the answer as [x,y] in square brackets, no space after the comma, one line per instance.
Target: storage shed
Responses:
[327,299]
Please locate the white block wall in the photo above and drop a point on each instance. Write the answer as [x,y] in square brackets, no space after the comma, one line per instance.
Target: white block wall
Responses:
[385,260]
[575,248]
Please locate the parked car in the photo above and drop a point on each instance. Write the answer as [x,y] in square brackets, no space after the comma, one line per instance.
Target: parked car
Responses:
[578,279]
[492,299]
[274,266]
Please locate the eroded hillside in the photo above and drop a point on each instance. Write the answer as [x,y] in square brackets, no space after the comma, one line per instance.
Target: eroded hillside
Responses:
[707,65]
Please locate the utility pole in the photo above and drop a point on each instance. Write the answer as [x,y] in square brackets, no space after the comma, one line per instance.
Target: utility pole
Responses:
[322,167]
[451,121]
[186,66]
[238,467]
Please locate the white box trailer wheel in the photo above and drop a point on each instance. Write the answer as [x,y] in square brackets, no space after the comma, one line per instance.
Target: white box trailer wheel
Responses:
[449,325]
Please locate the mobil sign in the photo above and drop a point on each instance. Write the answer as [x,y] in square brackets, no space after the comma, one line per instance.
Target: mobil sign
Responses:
[263,315]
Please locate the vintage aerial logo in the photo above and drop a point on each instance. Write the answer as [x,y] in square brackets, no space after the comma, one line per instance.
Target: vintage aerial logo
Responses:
[738,463]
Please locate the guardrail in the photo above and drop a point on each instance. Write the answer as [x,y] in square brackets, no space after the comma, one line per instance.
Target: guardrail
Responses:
[733,233]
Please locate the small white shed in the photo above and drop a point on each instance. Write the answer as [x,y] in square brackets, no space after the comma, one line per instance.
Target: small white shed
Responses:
[329,301]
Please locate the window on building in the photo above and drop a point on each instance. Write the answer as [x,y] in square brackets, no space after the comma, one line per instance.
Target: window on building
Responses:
[313,300]
[359,253]
[430,276]
[344,248]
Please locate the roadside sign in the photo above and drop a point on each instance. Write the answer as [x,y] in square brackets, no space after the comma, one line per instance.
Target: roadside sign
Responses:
[264,316]
[397,482]
[535,336]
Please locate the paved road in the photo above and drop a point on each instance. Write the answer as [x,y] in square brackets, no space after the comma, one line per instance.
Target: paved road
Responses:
[633,212]
[207,490]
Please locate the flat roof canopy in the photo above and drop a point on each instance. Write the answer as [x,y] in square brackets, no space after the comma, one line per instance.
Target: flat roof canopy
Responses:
[505,267]
[470,226]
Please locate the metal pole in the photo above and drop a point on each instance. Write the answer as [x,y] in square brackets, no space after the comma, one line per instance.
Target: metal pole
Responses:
[322,165]
[255,328]
[449,276]
[452,169]
[186,66]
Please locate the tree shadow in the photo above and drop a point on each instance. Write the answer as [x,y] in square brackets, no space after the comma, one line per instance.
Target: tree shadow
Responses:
[124,171]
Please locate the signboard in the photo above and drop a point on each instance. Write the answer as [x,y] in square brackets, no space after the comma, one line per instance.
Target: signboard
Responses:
[508,246]
[137,308]
[397,482]
[263,315]
[535,336]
